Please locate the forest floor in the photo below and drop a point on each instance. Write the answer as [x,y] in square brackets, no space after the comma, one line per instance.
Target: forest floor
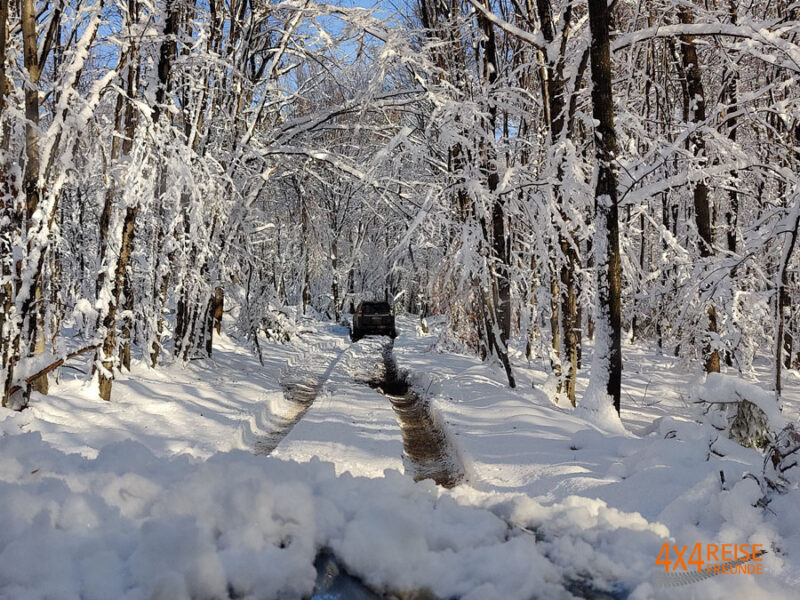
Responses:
[228,479]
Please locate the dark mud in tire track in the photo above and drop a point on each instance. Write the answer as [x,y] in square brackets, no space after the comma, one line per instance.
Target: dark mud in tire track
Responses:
[425,444]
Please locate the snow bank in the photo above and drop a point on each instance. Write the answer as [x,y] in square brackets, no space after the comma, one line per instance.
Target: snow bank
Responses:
[128,525]
[597,407]
[746,413]
[602,499]
[219,404]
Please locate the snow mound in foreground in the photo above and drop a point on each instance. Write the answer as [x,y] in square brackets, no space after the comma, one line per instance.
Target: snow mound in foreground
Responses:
[129,525]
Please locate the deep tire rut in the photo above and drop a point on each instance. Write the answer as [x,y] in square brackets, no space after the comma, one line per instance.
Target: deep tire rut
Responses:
[425,444]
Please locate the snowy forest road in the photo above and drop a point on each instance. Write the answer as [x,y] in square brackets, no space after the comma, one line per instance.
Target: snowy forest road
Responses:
[358,421]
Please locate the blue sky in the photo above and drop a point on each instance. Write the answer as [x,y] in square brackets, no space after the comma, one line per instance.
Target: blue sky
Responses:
[387,5]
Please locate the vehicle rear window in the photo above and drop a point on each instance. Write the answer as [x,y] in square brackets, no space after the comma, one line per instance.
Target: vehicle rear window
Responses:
[376,308]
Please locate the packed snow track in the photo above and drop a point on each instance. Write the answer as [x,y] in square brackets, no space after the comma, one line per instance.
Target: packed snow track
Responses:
[329,369]
[301,380]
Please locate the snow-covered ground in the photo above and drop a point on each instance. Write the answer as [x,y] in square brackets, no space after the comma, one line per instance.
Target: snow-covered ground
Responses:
[158,494]
[349,424]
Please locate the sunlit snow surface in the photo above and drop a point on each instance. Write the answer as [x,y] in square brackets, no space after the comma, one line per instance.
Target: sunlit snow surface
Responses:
[158,494]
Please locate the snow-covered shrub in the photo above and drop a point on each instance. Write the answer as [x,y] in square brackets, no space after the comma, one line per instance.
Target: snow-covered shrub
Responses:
[278,324]
[84,316]
[745,412]
[781,469]
[259,310]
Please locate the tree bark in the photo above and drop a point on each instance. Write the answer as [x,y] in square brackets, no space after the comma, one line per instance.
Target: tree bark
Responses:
[33,322]
[783,302]
[169,48]
[3,43]
[335,280]
[127,146]
[566,338]
[6,212]
[498,331]
[106,374]
[702,205]
[218,307]
[122,291]
[608,345]
[569,316]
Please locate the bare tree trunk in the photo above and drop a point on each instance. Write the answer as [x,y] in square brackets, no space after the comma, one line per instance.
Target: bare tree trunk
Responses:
[570,323]
[498,332]
[122,287]
[566,337]
[783,301]
[160,302]
[664,246]
[335,280]
[127,146]
[635,333]
[608,345]
[218,307]
[167,53]
[351,276]
[208,327]
[33,322]
[127,290]
[28,333]
[106,374]
[169,48]
[555,323]
[732,213]
[3,43]
[181,321]
[192,340]
[306,274]
[6,217]
[702,205]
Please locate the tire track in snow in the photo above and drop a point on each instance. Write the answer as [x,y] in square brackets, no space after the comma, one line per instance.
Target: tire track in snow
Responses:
[302,379]
[426,446]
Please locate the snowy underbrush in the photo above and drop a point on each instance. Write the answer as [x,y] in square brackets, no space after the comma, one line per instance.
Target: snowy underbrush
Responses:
[751,416]
[743,411]
[261,314]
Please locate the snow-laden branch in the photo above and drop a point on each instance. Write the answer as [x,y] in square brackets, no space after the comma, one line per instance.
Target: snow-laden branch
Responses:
[537,41]
[761,33]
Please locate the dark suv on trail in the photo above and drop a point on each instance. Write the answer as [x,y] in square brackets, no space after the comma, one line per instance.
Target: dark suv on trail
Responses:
[373,318]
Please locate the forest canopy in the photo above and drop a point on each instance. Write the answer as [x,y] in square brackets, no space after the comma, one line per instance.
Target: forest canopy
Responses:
[539,174]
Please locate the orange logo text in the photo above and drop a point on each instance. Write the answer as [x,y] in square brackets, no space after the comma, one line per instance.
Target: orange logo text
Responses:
[713,559]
